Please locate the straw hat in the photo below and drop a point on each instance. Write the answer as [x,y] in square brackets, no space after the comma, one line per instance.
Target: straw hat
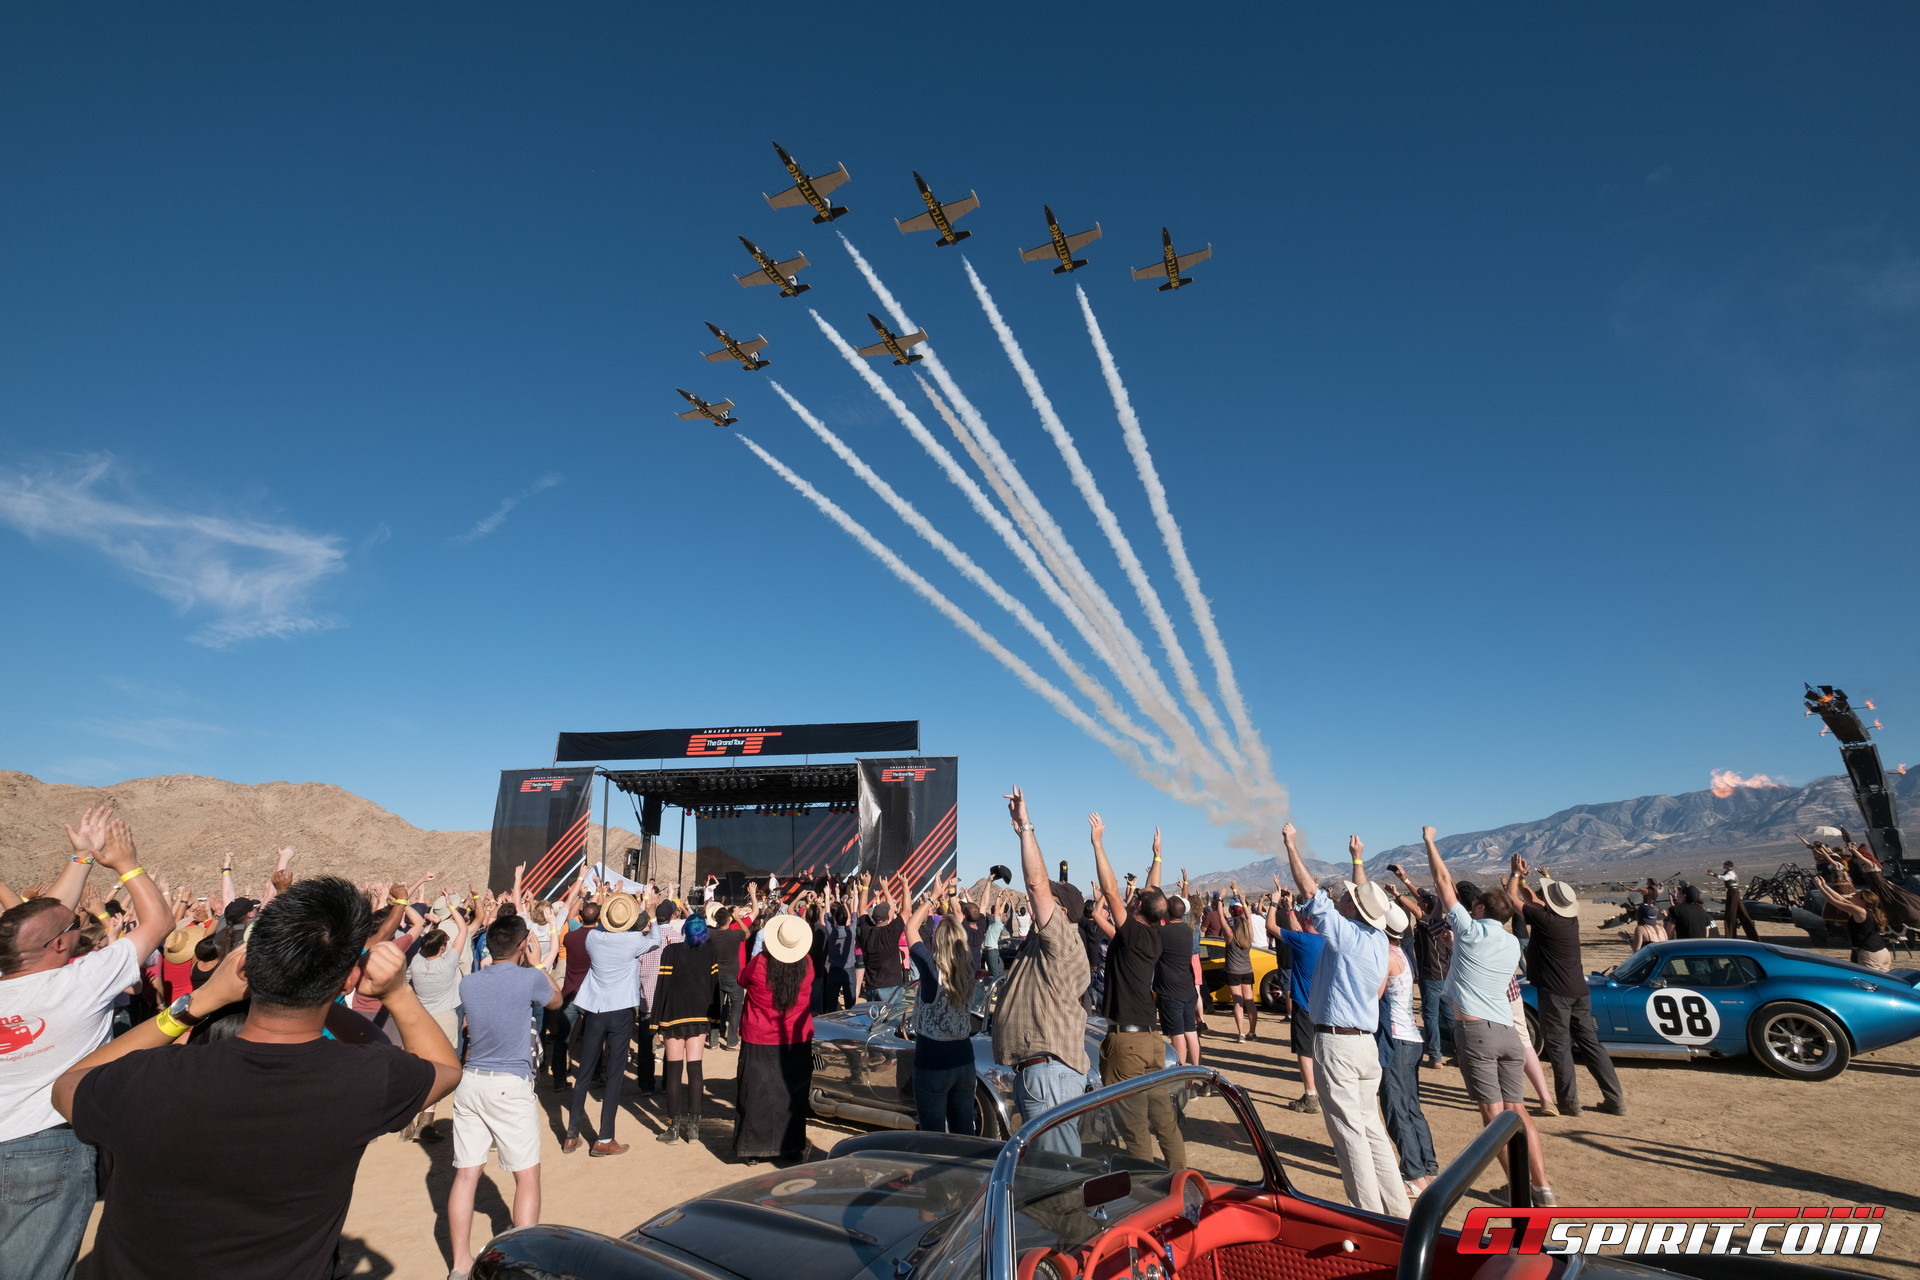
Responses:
[787,938]
[179,945]
[1562,898]
[619,912]
[1371,901]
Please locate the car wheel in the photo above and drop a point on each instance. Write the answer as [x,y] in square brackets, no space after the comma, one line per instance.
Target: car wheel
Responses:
[1799,1041]
[1273,994]
[1535,1036]
[987,1115]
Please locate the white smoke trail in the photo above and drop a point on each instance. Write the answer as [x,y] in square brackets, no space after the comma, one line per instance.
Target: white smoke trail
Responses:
[1089,687]
[1135,670]
[1176,545]
[1109,525]
[961,619]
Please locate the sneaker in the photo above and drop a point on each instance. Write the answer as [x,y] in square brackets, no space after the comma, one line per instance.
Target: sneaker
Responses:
[1543,1198]
[1545,1110]
[1613,1106]
[1239,1039]
[1307,1104]
[1573,1110]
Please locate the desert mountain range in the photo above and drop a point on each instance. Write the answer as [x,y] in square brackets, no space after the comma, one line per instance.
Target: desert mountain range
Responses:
[183,824]
[1756,827]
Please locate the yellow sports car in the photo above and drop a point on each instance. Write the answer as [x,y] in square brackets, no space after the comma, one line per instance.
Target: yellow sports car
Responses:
[1269,979]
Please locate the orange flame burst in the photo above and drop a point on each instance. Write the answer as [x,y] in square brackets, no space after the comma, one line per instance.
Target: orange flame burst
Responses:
[1878,725]
[1870,705]
[1900,768]
[1726,782]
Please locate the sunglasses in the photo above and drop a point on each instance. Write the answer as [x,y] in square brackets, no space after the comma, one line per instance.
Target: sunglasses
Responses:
[63,933]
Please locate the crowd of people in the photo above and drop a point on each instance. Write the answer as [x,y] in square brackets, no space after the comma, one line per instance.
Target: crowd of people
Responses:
[321,1014]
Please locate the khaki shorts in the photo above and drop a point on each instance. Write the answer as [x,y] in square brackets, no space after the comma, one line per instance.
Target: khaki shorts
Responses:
[492,1110]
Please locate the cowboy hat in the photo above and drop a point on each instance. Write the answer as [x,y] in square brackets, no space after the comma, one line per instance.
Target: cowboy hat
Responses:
[1371,901]
[787,938]
[1562,898]
[179,946]
[619,912]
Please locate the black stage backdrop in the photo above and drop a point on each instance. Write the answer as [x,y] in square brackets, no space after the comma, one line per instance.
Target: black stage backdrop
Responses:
[752,740]
[798,848]
[540,819]
[909,812]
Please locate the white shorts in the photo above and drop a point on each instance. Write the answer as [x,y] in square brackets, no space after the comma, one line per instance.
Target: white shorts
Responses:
[495,1111]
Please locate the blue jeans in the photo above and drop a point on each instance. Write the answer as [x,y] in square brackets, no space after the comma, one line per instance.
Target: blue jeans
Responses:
[881,995]
[1400,1108]
[1432,1010]
[943,1098]
[1044,1086]
[46,1194]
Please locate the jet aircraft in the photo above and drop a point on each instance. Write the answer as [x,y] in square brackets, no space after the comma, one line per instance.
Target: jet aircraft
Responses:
[1172,264]
[939,216]
[732,350]
[1061,246]
[894,344]
[808,190]
[785,274]
[714,413]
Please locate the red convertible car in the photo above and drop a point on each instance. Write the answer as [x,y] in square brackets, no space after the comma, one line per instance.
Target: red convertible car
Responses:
[1165,1177]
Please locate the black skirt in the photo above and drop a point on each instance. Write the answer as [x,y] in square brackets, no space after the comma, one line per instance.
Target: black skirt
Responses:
[770,1109]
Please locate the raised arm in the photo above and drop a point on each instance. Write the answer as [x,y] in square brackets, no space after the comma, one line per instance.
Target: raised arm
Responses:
[1033,867]
[1357,852]
[1442,878]
[1302,878]
[1843,901]
[1153,871]
[86,842]
[117,854]
[1109,887]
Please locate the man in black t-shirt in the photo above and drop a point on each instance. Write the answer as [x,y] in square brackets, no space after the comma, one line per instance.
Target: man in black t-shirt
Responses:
[1132,1046]
[1688,917]
[1558,974]
[267,1187]
[880,935]
[1176,984]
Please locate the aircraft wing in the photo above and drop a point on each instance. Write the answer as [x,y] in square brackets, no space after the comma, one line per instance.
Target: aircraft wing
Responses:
[722,407]
[690,415]
[1041,254]
[922,223]
[911,339]
[753,278]
[1085,238]
[828,181]
[788,199]
[793,266]
[723,354]
[753,346]
[877,349]
[1188,259]
[959,207]
[1139,273]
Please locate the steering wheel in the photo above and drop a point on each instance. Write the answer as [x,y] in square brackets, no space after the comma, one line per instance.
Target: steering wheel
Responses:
[1148,1217]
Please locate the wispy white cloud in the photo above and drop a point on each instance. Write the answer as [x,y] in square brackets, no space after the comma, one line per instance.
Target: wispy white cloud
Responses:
[498,516]
[161,733]
[255,579]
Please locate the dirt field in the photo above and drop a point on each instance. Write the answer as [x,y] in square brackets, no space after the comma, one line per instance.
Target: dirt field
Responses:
[1697,1134]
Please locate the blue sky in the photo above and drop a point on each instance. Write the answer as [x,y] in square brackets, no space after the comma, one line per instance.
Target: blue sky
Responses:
[1545,415]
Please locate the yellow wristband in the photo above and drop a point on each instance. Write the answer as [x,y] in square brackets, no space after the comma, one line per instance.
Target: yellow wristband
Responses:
[399,902]
[170,1027]
[137,871]
[101,916]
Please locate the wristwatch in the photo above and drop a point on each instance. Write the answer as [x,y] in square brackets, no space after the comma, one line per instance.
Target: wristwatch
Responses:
[178,1012]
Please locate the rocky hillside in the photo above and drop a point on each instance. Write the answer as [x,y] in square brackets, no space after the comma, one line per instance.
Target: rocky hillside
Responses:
[183,824]
[1650,835]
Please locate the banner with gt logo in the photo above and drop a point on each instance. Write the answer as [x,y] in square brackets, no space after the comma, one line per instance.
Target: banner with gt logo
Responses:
[909,817]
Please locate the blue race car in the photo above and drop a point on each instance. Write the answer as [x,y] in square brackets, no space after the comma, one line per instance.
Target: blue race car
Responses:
[1802,1014]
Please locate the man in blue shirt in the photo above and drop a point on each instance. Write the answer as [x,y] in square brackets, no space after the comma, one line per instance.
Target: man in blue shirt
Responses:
[1303,947]
[1492,1057]
[1344,1002]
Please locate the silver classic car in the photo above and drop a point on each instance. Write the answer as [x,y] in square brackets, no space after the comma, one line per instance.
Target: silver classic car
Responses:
[863,1064]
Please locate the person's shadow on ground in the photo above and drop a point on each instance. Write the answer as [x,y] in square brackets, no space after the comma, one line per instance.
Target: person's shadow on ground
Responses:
[487,1204]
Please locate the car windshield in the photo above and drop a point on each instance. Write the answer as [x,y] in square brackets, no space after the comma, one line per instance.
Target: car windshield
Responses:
[1635,967]
[1148,1134]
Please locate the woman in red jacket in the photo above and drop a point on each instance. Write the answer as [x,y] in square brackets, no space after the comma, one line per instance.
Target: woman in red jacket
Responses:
[776,1045]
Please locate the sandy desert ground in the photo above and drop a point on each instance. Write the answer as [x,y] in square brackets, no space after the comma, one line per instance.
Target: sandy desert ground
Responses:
[1705,1133]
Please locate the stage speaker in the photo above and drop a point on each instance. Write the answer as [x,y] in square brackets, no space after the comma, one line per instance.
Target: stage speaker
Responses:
[633,863]
[650,815]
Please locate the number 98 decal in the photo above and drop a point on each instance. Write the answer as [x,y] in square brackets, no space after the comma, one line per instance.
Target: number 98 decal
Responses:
[1684,1017]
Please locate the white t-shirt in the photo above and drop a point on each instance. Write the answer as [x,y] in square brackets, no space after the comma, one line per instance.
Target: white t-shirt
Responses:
[49,1021]
[1259,926]
[613,972]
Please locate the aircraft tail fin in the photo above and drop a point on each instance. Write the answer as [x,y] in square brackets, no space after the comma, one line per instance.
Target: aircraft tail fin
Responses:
[794,290]
[955,238]
[1071,264]
[758,364]
[910,358]
[830,214]
[1176,283]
